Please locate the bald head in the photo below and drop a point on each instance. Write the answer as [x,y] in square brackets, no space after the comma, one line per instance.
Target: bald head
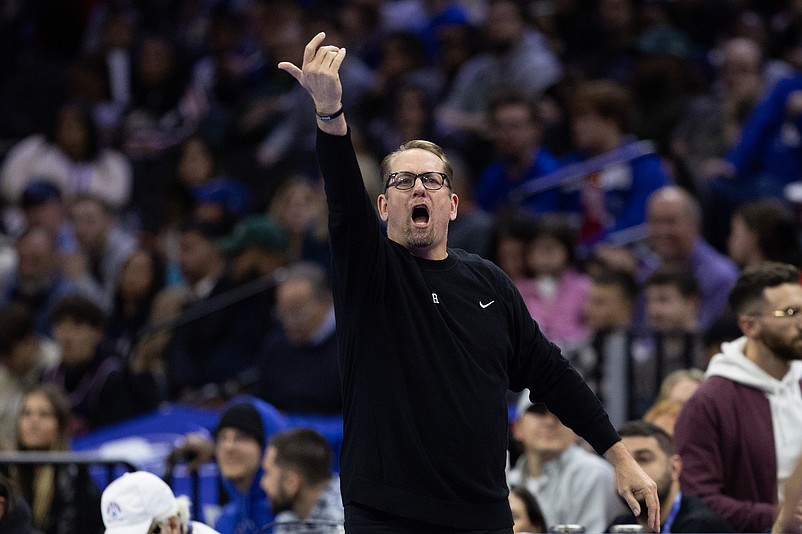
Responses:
[674,220]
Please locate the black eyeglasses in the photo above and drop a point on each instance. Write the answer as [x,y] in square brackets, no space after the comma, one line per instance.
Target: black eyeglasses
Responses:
[405,180]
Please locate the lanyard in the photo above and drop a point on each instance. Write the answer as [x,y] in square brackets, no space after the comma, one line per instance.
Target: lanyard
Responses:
[672,514]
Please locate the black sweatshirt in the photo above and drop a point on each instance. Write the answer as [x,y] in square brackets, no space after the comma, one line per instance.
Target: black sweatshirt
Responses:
[427,352]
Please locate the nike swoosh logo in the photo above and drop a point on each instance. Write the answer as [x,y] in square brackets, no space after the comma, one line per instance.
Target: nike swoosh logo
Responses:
[483,305]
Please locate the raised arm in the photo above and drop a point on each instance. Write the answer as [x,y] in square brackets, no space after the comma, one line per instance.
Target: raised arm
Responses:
[634,485]
[320,76]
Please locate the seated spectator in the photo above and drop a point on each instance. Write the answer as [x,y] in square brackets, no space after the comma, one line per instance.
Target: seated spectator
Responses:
[674,227]
[92,376]
[142,276]
[43,205]
[221,201]
[672,341]
[24,357]
[38,281]
[764,230]
[298,207]
[71,158]
[602,360]
[142,503]
[59,502]
[299,483]
[681,384]
[614,173]
[750,405]
[554,290]
[239,444]
[526,514]
[103,246]
[15,514]
[519,157]
[571,485]
[298,366]
[653,449]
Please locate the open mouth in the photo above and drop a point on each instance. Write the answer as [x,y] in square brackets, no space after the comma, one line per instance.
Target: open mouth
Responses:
[420,215]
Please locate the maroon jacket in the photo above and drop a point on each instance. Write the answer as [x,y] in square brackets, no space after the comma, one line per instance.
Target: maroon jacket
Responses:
[725,438]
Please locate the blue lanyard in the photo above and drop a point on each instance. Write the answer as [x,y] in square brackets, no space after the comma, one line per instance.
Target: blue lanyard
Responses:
[672,514]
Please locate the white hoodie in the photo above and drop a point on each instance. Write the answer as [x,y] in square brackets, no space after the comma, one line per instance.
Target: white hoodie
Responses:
[785,401]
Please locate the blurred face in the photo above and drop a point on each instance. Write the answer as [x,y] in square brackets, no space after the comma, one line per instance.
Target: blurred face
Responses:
[742,244]
[37,426]
[195,165]
[587,130]
[71,132]
[418,218]
[301,313]
[546,256]
[667,308]
[503,24]
[515,134]
[198,257]
[672,227]
[136,277]
[22,356]
[683,390]
[49,216]
[36,257]
[300,208]
[543,434]
[77,341]
[275,483]
[607,307]
[510,256]
[662,469]
[782,336]
[238,457]
[91,224]
[521,520]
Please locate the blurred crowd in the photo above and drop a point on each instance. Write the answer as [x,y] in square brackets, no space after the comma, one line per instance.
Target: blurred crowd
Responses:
[163,225]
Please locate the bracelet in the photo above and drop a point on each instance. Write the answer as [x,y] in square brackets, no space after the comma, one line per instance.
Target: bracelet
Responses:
[330,117]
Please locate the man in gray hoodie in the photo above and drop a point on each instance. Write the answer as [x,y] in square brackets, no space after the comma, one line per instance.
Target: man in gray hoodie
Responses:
[741,433]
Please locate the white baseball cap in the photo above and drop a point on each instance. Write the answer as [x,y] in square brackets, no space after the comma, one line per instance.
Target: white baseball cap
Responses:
[131,503]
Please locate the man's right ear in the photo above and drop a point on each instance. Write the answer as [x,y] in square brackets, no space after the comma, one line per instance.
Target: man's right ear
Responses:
[381,206]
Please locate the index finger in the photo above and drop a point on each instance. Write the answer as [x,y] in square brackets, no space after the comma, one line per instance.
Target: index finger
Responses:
[312,46]
[653,504]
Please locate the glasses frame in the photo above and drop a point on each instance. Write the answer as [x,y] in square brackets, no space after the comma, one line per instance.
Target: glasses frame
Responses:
[791,312]
[391,180]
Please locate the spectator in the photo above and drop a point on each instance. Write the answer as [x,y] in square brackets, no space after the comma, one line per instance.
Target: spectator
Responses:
[750,404]
[103,245]
[654,451]
[526,514]
[93,378]
[516,130]
[571,485]
[239,446]
[15,514]
[516,57]
[299,483]
[142,503]
[38,281]
[680,385]
[299,208]
[601,361]
[62,500]
[764,230]
[615,173]
[24,357]
[674,226]
[298,366]
[69,157]
[43,205]
[554,290]
[141,277]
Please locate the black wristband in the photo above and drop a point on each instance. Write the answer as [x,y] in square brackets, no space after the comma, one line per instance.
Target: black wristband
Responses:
[329,117]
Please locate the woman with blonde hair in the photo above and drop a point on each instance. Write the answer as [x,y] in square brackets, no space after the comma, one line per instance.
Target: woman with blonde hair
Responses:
[62,499]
